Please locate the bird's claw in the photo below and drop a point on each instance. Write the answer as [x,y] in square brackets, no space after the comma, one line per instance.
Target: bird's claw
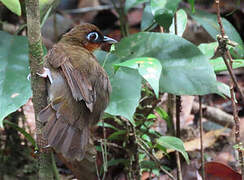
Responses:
[46,73]
[47,146]
[28,77]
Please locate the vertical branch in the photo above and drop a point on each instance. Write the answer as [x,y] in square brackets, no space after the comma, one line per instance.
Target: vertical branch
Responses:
[201,137]
[38,84]
[104,153]
[226,54]
[122,17]
[178,110]
[171,112]
[136,164]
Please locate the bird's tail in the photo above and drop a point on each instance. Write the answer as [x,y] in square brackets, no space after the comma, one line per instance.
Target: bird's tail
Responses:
[64,138]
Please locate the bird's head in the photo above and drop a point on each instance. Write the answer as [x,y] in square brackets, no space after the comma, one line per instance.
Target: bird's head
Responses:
[87,36]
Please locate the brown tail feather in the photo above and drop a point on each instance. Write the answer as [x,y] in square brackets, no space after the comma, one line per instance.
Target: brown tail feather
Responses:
[68,140]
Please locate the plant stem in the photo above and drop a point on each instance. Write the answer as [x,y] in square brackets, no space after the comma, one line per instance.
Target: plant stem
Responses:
[178,110]
[55,170]
[226,54]
[38,84]
[201,137]
[136,163]
[122,17]
[152,157]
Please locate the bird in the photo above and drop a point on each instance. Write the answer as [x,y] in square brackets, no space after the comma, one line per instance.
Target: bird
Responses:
[78,91]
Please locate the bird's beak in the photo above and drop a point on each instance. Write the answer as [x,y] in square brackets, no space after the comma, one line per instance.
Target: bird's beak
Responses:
[109,40]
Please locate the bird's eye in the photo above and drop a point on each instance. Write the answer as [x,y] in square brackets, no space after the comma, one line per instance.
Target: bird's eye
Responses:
[92,36]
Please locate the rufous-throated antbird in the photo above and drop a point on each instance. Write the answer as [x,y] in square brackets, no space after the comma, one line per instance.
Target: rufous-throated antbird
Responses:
[78,90]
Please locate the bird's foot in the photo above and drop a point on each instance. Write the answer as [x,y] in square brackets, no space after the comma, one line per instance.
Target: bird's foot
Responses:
[47,146]
[28,77]
[46,73]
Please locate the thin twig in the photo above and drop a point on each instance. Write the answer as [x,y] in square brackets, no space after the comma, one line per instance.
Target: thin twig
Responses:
[149,28]
[178,110]
[97,171]
[225,53]
[175,24]
[122,17]
[222,40]
[232,75]
[55,169]
[201,137]
[136,164]
[104,153]
[152,157]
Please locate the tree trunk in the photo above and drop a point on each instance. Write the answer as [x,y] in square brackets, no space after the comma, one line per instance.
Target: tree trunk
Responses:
[38,84]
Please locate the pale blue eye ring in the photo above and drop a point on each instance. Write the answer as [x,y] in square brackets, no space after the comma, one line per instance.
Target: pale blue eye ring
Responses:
[92,36]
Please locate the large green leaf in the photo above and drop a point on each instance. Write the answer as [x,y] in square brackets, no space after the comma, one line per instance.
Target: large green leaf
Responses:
[163,11]
[148,68]
[126,87]
[170,142]
[181,23]
[147,20]
[218,63]
[14,87]
[125,96]
[13,5]
[185,70]
[210,23]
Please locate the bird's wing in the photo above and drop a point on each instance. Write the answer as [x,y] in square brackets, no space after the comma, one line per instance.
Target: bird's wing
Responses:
[78,67]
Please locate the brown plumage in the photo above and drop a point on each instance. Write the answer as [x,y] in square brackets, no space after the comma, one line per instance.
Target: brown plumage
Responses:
[78,91]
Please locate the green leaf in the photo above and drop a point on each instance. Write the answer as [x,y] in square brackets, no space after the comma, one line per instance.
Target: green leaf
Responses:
[170,142]
[163,11]
[148,68]
[131,3]
[208,49]
[117,135]
[210,24]
[126,87]
[101,124]
[181,23]
[151,116]
[218,63]
[146,164]
[185,70]
[114,162]
[192,3]
[13,5]
[146,138]
[224,90]
[22,131]
[164,115]
[15,89]
[147,20]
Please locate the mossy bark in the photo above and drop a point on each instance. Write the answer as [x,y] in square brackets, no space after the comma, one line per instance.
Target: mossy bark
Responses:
[38,84]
